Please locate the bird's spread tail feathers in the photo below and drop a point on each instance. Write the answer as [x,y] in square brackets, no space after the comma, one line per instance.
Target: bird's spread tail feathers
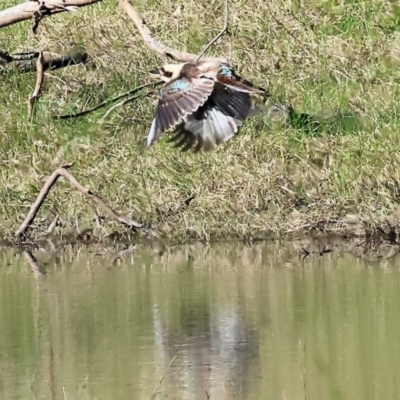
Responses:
[205,133]
[71,8]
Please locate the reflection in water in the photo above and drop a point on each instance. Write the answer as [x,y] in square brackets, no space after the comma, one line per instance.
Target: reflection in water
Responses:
[243,322]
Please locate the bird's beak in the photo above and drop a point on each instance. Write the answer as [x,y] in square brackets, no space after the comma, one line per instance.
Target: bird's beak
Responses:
[155,72]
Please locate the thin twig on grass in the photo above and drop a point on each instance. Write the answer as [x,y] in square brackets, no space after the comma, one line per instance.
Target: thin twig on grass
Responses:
[154,44]
[154,393]
[63,171]
[39,83]
[106,102]
[123,102]
[223,30]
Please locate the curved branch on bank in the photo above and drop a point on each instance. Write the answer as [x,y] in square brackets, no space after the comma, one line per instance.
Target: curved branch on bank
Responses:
[63,171]
[154,44]
[26,10]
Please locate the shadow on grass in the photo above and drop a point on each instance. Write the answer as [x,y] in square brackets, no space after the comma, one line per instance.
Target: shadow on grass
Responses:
[330,123]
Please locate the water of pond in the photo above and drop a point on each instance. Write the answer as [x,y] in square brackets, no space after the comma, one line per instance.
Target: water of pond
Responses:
[242,323]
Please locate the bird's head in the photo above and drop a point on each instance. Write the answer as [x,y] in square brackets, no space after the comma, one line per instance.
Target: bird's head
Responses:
[167,72]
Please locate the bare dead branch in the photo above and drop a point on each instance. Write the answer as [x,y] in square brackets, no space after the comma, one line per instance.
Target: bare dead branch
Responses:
[45,7]
[223,30]
[39,201]
[63,171]
[26,62]
[52,64]
[6,57]
[108,101]
[156,45]
[26,10]
[39,83]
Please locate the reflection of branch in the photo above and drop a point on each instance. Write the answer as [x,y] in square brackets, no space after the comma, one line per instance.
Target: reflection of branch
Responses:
[302,347]
[39,83]
[36,268]
[154,44]
[26,10]
[88,193]
[154,394]
[122,253]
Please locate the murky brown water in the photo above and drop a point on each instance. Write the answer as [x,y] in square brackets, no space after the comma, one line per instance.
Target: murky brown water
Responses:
[243,322]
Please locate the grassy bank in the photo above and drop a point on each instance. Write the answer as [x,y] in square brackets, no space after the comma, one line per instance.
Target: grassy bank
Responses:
[329,59]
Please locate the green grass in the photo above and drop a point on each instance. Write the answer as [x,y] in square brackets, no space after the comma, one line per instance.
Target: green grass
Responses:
[323,58]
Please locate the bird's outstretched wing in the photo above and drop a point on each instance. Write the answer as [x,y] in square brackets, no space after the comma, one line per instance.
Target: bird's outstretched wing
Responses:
[216,121]
[231,102]
[178,99]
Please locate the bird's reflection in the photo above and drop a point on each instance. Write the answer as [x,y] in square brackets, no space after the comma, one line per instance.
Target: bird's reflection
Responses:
[215,349]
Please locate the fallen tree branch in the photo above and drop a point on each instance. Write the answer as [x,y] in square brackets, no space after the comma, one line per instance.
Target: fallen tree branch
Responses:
[108,101]
[26,10]
[26,62]
[156,45]
[52,64]
[39,83]
[6,57]
[46,7]
[63,171]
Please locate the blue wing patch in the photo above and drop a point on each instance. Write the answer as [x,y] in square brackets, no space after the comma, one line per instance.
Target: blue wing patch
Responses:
[225,70]
[179,84]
